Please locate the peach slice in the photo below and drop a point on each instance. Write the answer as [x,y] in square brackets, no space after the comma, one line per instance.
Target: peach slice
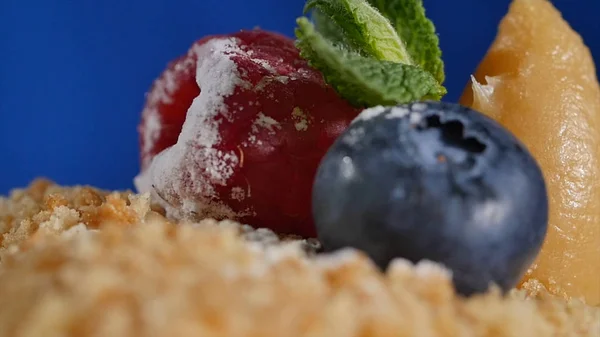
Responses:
[538,79]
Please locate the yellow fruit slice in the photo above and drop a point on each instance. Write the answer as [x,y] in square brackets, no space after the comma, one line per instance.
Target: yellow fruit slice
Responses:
[538,79]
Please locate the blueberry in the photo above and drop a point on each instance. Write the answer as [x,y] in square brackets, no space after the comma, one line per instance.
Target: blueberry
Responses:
[434,181]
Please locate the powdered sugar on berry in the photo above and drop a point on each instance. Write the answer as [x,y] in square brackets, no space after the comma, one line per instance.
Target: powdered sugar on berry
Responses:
[397,112]
[238,193]
[183,178]
[369,113]
[266,122]
[161,93]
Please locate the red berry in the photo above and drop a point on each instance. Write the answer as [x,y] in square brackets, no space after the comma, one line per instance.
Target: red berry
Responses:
[236,129]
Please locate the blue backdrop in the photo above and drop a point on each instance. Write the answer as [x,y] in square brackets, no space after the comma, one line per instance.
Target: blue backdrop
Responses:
[73,72]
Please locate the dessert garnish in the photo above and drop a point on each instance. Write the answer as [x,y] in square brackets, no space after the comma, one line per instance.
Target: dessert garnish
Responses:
[434,181]
[247,123]
[538,80]
[374,52]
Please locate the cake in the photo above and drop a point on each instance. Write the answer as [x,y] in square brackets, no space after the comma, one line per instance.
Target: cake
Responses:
[78,261]
[318,187]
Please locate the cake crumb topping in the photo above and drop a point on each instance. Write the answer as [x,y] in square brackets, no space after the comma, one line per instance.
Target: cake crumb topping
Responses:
[84,262]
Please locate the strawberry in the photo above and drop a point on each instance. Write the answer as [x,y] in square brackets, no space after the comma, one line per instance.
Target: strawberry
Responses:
[236,129]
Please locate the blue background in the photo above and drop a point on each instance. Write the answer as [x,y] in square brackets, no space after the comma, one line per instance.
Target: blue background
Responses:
[73,72]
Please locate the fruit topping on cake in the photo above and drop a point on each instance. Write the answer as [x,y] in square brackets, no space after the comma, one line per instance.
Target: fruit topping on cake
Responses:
[434,181]
[539,81]
[237,128]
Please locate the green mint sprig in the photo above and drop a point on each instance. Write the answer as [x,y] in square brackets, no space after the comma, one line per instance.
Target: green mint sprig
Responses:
[373,56]
[417,32]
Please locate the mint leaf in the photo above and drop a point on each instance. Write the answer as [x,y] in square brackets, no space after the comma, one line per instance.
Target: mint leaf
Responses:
[330,30]
[417,31]
[364,81]
[363,55]
[363,26]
